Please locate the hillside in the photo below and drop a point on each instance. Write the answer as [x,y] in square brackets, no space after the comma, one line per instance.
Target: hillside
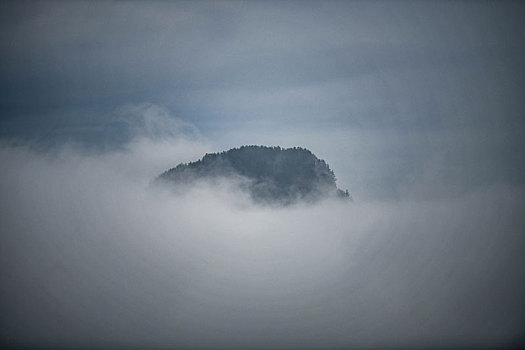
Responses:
[270,174]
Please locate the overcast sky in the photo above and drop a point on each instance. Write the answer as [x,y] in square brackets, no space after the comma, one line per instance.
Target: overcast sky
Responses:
[372,87]
[418,107]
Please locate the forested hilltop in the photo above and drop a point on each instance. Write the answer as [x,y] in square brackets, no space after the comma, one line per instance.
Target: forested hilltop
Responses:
[270,174]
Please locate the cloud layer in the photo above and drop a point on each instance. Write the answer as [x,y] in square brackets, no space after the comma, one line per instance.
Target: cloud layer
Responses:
[92,255]
[417,107]
[431,65]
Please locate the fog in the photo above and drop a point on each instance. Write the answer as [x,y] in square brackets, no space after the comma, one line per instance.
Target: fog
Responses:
[92,254]
[417,106]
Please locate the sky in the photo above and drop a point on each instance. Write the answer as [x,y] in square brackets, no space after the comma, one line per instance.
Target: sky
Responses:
[417,106]
[393,86]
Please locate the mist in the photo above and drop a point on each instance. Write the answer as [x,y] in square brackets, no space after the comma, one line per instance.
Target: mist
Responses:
[417,107]
[92,254]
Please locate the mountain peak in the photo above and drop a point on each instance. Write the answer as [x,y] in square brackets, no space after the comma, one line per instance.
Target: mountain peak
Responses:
[270,174]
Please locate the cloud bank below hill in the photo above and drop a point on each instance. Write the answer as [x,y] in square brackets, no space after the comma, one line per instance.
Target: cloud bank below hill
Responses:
[417,106]
[91,255]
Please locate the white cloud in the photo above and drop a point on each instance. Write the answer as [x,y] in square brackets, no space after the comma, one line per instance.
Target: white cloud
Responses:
[155,122]
[92,255]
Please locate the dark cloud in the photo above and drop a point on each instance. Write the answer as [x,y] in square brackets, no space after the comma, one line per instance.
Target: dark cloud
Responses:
[390,64]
